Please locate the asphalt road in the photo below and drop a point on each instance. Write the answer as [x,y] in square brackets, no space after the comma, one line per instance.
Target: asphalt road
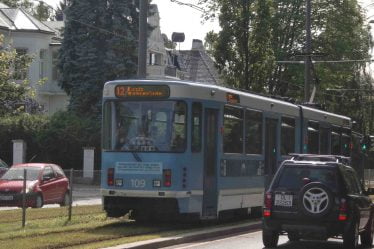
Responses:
[253,240]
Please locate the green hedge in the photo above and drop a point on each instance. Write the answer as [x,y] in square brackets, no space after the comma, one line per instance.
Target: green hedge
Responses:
[59,139]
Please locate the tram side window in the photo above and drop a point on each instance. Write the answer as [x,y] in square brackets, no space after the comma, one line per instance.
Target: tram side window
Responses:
[313,137]
[107,126]
[346,142]
[324,140]
[287,136]
[196,127]
[335,141]
[179,127]
[233,130]
[253,132]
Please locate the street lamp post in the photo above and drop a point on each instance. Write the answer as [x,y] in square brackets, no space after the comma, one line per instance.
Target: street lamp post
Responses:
[308,46]
[142,51]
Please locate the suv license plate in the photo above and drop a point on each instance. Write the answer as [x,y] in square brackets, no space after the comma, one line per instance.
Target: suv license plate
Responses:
[283,200]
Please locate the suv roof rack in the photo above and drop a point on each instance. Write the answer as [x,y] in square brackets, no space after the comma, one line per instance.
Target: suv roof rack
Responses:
[320,158]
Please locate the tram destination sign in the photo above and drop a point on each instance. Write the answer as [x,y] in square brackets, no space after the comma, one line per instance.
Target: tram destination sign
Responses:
[142,91]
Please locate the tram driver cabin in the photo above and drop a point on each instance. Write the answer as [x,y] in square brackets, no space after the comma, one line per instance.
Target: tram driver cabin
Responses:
[181,149]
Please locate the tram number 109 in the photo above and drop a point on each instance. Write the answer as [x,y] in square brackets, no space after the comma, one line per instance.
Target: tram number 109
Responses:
[137,183]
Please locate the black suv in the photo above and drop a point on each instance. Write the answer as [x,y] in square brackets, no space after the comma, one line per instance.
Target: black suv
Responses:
[317,199]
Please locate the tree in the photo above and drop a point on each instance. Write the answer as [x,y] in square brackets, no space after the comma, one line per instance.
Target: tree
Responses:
[42,12]
[255,34]
[25,4]
[242,49]
[99,44]
[59,14]
[12,95]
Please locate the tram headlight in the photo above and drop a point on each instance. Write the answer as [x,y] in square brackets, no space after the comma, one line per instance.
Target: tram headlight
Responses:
[156,183]
[119,182]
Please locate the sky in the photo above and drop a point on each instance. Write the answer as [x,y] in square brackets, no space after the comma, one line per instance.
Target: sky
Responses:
[177,18]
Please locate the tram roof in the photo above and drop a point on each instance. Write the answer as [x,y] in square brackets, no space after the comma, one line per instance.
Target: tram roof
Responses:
[185,89]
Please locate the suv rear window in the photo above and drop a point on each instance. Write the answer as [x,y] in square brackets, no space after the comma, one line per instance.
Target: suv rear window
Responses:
[292,177]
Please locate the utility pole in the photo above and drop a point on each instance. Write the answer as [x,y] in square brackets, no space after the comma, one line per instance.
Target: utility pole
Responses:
[308,45]
[142,51]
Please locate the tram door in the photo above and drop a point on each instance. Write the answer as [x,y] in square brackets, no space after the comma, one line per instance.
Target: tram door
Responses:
[210,162]
[271,141]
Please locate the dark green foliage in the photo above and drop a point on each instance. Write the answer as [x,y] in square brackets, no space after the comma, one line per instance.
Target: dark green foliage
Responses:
[65,136]
[100,41]
[256,35]
[242,49]
[25,4]
[12,94]
[42,12]
[26,127]
[59,139]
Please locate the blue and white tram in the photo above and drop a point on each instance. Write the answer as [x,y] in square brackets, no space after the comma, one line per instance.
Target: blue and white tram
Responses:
[180,148]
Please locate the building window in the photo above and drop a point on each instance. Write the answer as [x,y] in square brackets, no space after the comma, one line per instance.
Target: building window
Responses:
[43,63]
[196,127]
[21,64]
[233,130]
[253,132]
[287,135]
[155,59]
[55,71]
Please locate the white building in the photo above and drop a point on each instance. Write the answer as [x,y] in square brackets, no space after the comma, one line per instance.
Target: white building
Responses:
[28,35]
[42,40]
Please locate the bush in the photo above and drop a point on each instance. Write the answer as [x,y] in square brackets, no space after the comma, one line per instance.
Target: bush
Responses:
[23,126]
[58,139]
[63,141]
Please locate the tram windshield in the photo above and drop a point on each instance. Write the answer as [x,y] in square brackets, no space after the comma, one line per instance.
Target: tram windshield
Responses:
[142,126]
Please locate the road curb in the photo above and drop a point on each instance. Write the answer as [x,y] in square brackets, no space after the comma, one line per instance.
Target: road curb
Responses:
[189,237]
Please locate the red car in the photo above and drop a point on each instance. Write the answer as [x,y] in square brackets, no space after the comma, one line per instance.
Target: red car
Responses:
[45,184]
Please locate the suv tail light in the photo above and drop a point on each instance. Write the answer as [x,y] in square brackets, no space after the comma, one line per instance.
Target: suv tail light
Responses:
[110,176]
[343,208]
[267,204]
[167,177]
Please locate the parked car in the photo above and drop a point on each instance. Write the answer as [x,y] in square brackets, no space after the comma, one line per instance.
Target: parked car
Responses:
[317,199]
[45,184]
[3,167]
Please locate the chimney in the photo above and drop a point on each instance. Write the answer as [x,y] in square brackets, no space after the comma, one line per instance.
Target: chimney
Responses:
[197,44]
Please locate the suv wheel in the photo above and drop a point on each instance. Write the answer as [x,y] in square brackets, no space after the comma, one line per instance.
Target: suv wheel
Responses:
[292,236]
[367,235]
[270,238]
[315,199]
[350,236]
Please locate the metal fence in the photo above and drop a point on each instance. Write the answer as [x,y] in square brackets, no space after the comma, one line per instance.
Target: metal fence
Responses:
[83,191]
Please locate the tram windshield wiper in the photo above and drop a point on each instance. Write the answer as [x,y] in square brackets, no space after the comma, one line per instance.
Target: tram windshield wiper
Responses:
[136,156]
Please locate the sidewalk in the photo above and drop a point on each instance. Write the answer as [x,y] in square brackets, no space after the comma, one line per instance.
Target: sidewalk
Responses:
[192,236]
[85,191]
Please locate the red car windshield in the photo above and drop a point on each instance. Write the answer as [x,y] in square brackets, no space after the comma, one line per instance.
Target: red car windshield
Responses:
[16,174]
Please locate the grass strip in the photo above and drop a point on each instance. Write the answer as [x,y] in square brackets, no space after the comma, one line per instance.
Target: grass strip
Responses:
[11,216]
[87,235]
